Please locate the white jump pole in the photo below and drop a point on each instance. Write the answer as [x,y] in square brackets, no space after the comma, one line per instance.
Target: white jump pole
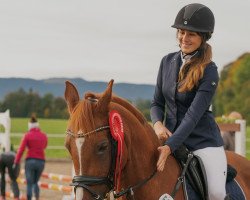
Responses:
[240,138]
[72,195]
[5,137]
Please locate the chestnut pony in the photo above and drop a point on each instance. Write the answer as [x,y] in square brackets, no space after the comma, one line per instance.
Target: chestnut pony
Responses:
[94,151]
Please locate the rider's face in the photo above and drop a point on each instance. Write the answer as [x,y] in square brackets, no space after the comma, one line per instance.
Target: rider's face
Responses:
[189,41]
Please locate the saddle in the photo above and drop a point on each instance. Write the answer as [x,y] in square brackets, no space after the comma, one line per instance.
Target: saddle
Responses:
[195,172]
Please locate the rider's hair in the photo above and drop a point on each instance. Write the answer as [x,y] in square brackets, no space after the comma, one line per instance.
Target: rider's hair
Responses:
[193,70]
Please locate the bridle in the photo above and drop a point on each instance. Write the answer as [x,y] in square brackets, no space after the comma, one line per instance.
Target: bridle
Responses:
[87,181]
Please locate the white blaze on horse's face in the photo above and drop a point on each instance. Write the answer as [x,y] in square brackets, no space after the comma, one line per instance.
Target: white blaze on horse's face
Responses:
[79,145]
[79,193]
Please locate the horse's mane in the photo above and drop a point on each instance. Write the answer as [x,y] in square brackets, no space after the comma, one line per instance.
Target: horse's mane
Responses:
[129,107]
[83,112]
[122,102]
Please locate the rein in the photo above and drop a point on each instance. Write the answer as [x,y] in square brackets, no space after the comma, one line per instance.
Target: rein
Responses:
[130,190]
[86,181]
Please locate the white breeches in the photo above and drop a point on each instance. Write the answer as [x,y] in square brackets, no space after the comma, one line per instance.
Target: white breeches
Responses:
[215,163]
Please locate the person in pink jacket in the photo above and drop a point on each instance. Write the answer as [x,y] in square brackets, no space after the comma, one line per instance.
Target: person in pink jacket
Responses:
[36,142]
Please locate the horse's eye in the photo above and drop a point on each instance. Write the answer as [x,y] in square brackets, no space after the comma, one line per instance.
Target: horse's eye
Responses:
[102,147]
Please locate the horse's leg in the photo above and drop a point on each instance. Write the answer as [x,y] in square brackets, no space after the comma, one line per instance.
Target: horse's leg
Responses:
[242,166]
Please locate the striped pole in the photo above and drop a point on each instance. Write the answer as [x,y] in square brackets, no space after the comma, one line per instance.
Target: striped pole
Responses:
[50,186]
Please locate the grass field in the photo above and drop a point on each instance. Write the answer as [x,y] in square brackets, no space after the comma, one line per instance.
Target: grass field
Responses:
[55,128]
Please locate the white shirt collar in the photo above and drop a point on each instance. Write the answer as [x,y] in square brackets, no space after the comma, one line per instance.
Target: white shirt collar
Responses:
[33,125]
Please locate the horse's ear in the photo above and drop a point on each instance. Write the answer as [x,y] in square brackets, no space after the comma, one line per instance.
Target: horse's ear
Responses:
[103,102]
[71,96]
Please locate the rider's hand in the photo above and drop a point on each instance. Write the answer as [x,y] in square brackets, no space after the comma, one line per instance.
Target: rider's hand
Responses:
[164,151]
[161,131]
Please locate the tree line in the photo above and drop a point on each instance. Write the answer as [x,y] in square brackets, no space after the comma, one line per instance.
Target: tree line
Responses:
[233,92]
[23,104]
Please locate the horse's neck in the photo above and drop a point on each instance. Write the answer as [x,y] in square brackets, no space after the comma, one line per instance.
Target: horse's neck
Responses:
[142,144]
[141,166]
[140,138]
[141,163]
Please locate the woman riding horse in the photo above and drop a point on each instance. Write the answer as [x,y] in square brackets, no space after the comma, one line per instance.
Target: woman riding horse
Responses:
[186,83]
[94,151]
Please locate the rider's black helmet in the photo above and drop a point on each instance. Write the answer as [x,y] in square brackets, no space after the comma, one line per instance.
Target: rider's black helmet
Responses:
[195,17]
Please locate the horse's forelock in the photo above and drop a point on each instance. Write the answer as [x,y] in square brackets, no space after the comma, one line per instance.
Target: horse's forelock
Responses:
[91,95]
[82,117]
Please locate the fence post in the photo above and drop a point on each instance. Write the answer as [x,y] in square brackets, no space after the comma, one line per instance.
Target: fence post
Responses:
[5,137]
[240,138]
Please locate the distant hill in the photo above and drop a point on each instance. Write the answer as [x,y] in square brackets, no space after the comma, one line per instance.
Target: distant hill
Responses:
[56,86]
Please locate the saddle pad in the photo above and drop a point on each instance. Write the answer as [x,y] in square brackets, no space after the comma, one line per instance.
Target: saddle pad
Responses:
[235,190]
[232,187]
[189,191]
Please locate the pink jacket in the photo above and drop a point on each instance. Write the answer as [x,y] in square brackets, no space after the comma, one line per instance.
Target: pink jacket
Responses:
[36,142]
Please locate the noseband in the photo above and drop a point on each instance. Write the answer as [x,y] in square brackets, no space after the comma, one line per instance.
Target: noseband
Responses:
[87,181]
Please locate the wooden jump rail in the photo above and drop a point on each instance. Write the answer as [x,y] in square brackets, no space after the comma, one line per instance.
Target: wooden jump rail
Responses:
[54,177]
[44,185]
[239,127]
[50,186]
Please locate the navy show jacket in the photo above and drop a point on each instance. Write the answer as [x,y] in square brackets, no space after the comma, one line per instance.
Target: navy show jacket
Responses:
[186,114]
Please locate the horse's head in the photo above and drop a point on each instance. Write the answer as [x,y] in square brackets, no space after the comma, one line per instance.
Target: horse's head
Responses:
[89,142]
[99,153]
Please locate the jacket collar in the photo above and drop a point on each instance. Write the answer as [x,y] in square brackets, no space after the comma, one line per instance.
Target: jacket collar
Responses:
[175,65]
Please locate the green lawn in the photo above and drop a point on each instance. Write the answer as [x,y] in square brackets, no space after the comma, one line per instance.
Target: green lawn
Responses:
[52,126]
[58,127]
[49,126]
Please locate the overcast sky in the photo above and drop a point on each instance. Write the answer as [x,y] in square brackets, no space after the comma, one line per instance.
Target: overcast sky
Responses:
[102,39]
